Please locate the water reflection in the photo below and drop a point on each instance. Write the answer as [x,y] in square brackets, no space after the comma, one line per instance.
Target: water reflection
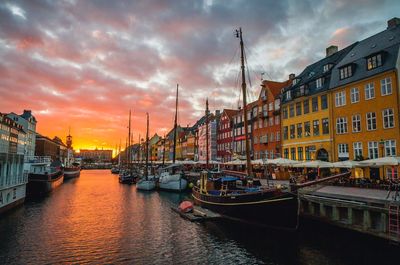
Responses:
[94,219]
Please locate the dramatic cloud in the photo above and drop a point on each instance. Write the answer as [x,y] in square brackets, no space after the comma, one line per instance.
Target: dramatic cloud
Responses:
[84,64]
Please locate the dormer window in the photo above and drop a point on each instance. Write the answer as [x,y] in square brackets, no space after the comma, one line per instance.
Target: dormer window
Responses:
[346,71]
[319,82]
[295,81]
[374,61]
[288,95]
[327,67]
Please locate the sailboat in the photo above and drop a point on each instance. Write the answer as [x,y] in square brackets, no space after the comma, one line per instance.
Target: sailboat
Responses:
[234,199]
[147,182]
[170,179]
[126,176]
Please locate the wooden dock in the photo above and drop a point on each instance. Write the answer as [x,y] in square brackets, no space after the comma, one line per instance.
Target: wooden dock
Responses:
[199,214]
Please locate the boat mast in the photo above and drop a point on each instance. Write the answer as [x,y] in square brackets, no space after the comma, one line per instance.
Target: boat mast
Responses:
[175,125]
[119,154]
[146,173]
[129,140]
[248,162]
[163,155]
[207,154]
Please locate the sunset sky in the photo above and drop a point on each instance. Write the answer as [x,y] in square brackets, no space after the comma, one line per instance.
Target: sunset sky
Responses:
[84,64]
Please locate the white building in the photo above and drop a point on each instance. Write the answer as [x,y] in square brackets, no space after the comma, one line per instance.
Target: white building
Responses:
[12,178]
[28,122]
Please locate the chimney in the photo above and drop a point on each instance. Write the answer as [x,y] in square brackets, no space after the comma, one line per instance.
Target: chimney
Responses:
[331,50]
[292,76]
[394,22]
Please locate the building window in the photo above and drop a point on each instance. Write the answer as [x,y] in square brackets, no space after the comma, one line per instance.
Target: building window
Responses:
[306,106]
[372,150]
[308,153]
[288,95]
[307,129]
[299,130]
[285,133]
[346,72]
[325,126]
[285,113]
[388,118]
[324,102]
[298,108]
[271,106]
[255,139]
[271,121]
[293,153]
[272,137]
[292,133]
[266,123]
[277,104]
[299,153]
[260,123]
[357,150]
[277,120]
[371,121]
[319,82]
[390,148]
[369,91]
[356,123]
[316,127]
[341,125]
[340,99]
[315,104]
[354,95]
[343,150]
[286,153]
[391,173]
[327,67]
[386,86]
[291,110]
[278,136]
[374,61]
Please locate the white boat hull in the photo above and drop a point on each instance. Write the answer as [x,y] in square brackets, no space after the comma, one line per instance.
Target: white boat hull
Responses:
[173,182]
[146,185]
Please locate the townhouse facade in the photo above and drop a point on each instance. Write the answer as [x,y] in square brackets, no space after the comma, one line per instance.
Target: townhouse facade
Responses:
[225,135]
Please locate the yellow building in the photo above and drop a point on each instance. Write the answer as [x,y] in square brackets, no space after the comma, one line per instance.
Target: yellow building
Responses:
[306,106]
[364,93]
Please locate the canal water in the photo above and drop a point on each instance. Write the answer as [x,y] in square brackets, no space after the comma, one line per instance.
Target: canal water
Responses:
[96,220]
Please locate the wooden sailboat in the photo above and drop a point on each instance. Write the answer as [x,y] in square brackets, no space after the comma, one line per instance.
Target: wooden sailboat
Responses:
[147,182]
[170,179]
[126,176]
[272,207]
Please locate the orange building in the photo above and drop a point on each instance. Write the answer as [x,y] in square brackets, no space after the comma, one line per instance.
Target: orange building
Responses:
[266,120]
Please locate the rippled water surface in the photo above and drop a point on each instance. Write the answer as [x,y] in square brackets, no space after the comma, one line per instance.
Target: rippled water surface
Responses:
[96,220]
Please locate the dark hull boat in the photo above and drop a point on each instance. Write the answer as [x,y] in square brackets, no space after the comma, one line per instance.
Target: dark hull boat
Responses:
[273,208]
[72,172]
[41,184]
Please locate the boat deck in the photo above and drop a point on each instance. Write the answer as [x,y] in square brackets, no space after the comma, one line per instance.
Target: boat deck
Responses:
[199,214]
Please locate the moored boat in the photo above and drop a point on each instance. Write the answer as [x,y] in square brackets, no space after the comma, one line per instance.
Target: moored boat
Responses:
[44,179]
[72,171]
[171,180]
[269,207]
[147,182]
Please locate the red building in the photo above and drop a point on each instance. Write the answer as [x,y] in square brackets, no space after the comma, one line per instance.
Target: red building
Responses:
[225,135]
[267,123]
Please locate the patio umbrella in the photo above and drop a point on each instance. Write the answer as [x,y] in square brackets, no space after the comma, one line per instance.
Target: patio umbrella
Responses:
[282,162]
[236,162]
[257,162]
[315,164]
[347,164]
[381,161]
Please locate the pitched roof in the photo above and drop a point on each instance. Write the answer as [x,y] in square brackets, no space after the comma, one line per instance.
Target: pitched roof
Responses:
[275,87]
[306,81]
[386,42]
